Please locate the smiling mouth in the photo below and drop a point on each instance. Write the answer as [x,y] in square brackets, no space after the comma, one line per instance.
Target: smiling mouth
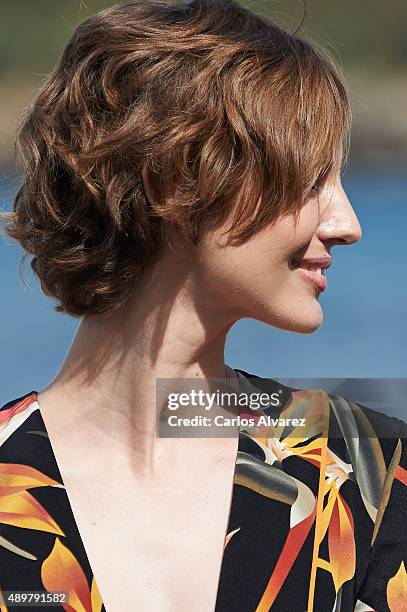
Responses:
[315,264]
[314,271]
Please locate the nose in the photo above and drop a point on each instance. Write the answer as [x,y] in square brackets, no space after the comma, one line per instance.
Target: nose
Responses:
[339,223]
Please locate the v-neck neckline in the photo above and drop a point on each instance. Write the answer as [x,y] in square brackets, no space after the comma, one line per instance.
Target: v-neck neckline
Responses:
[235,375]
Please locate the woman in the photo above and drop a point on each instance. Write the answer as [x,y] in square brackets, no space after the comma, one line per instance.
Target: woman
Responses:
[181,172]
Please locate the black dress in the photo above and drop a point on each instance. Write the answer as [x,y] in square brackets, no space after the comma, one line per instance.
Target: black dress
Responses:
[318,519]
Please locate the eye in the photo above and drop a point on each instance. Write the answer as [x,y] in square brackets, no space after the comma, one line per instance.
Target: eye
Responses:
[315,190]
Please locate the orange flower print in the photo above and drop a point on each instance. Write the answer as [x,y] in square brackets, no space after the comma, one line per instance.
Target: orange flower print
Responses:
[18,507]
[61,571]
[397,590]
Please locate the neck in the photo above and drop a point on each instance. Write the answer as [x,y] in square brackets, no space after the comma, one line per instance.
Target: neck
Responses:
[166,330]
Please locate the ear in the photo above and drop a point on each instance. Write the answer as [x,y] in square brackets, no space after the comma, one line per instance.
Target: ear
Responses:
[150,188]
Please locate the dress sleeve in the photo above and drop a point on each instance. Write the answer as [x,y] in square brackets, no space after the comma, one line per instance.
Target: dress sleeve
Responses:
[385,586]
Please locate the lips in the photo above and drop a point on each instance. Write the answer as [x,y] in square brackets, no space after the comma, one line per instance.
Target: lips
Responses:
[312,270]
[315,262]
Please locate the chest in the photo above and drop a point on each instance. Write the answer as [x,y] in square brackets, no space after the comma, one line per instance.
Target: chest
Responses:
[155,547]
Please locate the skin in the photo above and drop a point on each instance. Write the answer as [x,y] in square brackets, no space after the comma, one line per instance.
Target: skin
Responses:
[100,408]
[258,280]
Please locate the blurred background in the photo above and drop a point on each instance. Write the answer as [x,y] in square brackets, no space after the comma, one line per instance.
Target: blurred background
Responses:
[364,333]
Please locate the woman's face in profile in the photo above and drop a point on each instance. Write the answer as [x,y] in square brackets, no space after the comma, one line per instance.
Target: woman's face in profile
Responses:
[264,278]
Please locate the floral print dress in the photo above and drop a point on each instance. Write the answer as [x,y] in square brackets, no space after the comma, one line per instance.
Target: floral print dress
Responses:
[317,523]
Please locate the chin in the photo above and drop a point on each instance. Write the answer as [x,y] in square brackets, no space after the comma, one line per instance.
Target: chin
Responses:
[307,327]
[310,320]
[306,321]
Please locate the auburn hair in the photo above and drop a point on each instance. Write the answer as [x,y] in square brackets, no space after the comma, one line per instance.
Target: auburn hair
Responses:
[231,117]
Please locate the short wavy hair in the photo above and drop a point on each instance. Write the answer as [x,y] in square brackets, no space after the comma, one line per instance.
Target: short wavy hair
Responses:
[231,117]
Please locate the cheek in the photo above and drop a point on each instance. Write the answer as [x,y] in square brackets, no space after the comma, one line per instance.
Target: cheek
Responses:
[260,266]
[246,273]
[285,239]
